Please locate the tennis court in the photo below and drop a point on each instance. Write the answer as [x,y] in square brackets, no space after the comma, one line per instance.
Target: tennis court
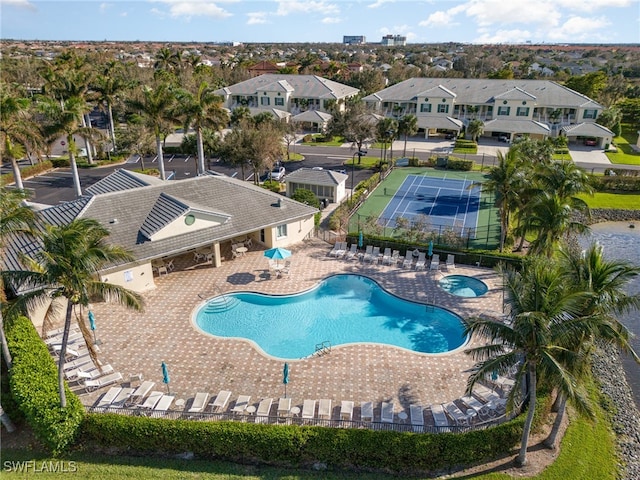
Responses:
[448,202]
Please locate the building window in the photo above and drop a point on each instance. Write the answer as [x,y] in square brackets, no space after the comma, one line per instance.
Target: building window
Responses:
[443,108]
[590,114]
[504,110]
[279,102]
[264,101]
[425,107]
[522,112]
[281,231]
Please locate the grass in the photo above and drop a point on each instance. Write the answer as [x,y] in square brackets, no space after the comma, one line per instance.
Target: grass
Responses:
[622,201]
[625,154]
[365,163]
[335,142]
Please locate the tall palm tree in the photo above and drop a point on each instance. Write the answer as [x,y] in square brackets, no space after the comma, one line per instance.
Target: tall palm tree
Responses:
[564,179]
[202,110]
[407,126]
[106,88]
[156,107]
[66,268]
[475,129]
[504,181]
[540,307]
[606,282]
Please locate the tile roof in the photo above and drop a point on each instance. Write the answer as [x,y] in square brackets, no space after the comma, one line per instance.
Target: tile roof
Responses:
[121,180]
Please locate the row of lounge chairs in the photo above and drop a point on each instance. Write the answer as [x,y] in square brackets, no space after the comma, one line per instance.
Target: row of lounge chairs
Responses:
[390,257]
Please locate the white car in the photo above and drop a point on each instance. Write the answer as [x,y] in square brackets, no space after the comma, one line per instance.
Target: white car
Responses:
[277,174]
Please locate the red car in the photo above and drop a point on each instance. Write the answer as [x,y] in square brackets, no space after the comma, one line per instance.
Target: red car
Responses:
[591,142]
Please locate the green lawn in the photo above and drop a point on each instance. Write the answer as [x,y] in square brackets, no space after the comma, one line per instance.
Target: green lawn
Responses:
[625,154]
[623,201]
[336,142]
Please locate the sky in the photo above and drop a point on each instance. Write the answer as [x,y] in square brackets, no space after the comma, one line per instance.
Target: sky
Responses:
[293,21]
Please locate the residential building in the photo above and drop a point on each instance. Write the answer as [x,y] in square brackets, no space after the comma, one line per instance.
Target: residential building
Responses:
[354,39]
[508,108]
[394,41]
[325,184]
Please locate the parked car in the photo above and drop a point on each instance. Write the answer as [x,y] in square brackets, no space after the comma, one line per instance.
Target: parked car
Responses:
[590,142]
[450,136]
[503,138]
[277,174]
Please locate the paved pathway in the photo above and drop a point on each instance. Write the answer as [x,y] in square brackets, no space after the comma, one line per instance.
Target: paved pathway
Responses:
[138,342]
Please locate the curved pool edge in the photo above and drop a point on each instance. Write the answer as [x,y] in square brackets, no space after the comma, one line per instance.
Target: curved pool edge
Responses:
[486,288]
[259,349]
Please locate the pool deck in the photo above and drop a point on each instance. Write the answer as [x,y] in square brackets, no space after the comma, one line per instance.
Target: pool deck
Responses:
[135,342]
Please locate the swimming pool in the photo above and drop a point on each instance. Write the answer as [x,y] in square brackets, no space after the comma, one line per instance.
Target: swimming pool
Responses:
[463,286]
[341,309]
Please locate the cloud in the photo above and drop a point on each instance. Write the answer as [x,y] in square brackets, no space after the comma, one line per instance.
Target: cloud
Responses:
[504,36]
[124,14]
[26,4]
[290,7]
[257,18]
[105,6]
[490,12]
[194,8]
[437,19]
[593,5]
[379,3]
[331,20]
[578,28]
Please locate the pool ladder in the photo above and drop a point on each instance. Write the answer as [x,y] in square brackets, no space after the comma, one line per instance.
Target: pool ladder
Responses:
[323,348]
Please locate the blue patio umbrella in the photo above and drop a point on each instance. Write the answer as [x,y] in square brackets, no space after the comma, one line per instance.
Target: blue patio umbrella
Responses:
[92,326]
[165,375]
[285,378]
[430,251]
[360,239]
[277,253]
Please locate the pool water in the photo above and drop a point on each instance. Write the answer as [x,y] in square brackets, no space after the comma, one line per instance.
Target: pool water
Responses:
[463,286]
[342,309]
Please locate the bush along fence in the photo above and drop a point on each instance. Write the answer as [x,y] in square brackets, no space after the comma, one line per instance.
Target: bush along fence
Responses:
[300,446]
[33,380]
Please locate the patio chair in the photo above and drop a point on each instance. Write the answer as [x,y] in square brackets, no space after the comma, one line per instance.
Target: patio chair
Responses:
[417,418]
[368,252]
[386,256]
[284,406]
[151,401]
[91,385]
[122,397]
[366,412]
[141,392]
[422,259]
[352,252]
[78,362]
[308,409]
[91,374]
[199,402]
[346,410]
[473,403]
[221,400]
[375,254]
[324,408]
[435,262]
[440,418]
[408,259]
[451,265]
[56,339]
[455,413]
[286,270]
[241,404]
[164,403]
[395,256]
[106,400]
[264,408]
[337,247]
[386,412]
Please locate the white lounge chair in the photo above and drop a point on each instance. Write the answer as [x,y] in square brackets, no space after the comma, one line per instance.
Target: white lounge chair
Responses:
[422,259]
[457,414]
[141,392]
[346,410]
[386,412]
[386,256]
[439,417]
[308,409]
[264,408]
[474,403]
[93,374]
[324,408]
[164,403]
[352,253]
[408,259]
[79,362]
[122,397]
[221,400]
[366,411]
[241,404]
[91,385]
[451,262]
[435,262]
[336,248]
[395,256]
[151,401]
[367,253]
[375,254]
[284,406]
[417,418]
[199,402]
[106,400]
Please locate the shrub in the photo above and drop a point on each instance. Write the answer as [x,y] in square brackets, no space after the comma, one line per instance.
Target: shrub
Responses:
[34,386]
[462,143]
[307,138]
[272,185]
[618,182]
[455,163]
[26,172]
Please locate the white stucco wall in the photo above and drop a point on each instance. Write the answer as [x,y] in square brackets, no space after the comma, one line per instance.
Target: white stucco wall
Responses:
[136,278]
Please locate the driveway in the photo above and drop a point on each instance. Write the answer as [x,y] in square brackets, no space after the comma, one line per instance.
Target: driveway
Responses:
[583,155]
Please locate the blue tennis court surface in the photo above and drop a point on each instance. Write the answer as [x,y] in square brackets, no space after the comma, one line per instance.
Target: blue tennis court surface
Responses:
[440,202]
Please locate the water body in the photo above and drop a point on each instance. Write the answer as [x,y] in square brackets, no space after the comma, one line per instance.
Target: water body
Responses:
[621,242]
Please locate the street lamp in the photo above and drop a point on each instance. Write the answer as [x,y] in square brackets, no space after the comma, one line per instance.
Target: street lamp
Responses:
[359,153]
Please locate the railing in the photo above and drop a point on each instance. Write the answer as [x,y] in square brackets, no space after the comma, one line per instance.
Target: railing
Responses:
[405,426]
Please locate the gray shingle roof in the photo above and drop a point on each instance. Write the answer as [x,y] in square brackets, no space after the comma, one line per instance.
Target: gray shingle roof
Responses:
[587,129]
[516,126]
[433,121]
[304,86]
[471,91]
[316,177]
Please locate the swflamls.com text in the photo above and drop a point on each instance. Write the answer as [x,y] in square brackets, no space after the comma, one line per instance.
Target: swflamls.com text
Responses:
[34,466]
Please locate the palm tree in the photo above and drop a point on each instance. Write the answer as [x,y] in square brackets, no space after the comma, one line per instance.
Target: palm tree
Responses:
[63,118]
[504,181]
[106,88]
[386,130]
[540,307]
[156,107]
[240,115]
[202,110]
[407,126]
[606,282]
[67,268]
[17,129]
[475,129]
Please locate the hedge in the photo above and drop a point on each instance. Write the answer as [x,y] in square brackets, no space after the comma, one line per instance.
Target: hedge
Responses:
[295,446]
[34,385]
[620,183]
[26,172]
[455,163]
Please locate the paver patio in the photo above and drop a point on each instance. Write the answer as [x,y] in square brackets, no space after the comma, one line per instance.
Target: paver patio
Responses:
[135,342]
